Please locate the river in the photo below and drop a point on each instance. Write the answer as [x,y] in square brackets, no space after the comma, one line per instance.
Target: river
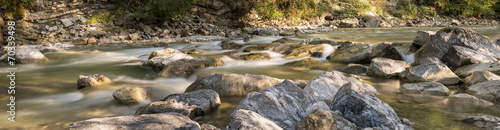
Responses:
[47,98]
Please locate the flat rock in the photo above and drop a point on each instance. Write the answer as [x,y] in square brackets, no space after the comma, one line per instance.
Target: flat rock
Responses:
[435,72]
[255,56]
[146,121]
[298,51]
[233,84]
[66,22]
[364,109]
[463,99]
[248,120]
[325,86]
[386,68]
[467,70]
[480,76]
[485,122]
[159,59]
[429,88]
[325,120]
[489,90]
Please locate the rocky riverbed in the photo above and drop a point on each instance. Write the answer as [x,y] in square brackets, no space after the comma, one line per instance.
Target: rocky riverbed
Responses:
[444,79]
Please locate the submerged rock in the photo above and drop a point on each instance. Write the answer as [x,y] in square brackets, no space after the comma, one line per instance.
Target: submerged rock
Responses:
[325,120]
[364,109]
[325,86]
[255,56]
[429,88]
[233,84]
[230,45]
[285,104]
[261,47]
[458,56]
[493,67]
[248,120]
[489,90]
[435,72]
[146,121]
[190,104]
[481,76]
[355,69]
[386,68]
[130,95]
[92,80]
[312,63]
[186,67]
[463,99]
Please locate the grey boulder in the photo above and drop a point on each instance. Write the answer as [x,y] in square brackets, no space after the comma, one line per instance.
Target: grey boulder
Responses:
[429,88]
[325,120]
[248,120]
[489,90]
[147,121]
[386,68]
[480,76]
[233,84]
[435,72]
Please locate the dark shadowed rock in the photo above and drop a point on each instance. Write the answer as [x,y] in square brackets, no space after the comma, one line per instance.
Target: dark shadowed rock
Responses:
[464,71]
[430,73]
[230,45]
[481,76]
[233,84]
[423,37]
[489,90]
[325,86]
[386,68]
[130,95]
[92,80]
[186,67]
[350,53]
[190,104]
[255,56]
[285,104]
[364,109]
[458,56]
[463,99]
[429,88]
[248,120]
[325,120]
[355,69]
[148,121]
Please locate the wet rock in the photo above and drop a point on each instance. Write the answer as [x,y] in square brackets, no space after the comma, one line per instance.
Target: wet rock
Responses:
[255,56]
[325,86]
[350,53]
[248,120]
[364,109]
[462,99]
[484,122]
[445,38]
[130,95]
[435,72]
[428,60]
[317,41]
[481,76]
[386,68]
[297,51]
[325,120]
[25,55]
[233,84]
[186,67]
[66,22]
[429,88]
[285,104]
[261,47]
[489,90]
[92,80]
[493,67]
[287,33]
[248,38]
[422,37]
[312,63]
[209,127]
[195,51]
[349,23]
[159,59]
[458,56]
[230,45]
[191,104]
[357,69]
[147,121]
[385,50]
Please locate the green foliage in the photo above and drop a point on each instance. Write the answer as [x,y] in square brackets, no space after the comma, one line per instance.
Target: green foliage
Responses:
[467,8]
[360,6]
[407,8]
[101,17]
[289,8]
[427,10]
[268,10]
[166,9]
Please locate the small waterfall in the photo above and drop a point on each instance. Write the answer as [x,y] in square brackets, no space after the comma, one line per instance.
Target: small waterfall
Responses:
[327,50]
[410,58]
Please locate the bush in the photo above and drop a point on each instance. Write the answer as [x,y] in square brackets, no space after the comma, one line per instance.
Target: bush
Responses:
[469,8]
[290,8]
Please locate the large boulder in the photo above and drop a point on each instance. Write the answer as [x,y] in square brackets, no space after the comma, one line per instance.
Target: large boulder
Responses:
[386,68]
[25,55]
[425,61]
[130,95]
[186,67]
[285,104]
[92,80]
[159,59]
[190,104]
[493,67]
[233,84]
[147,121]
[435,72]
[480,76]
[458,56]
[325,86]
[255,56]
[325,120]
[463,99]
[429,88]
[489,90]
[297,51]
[364,109]
[363,53]
[445,38]
[422,37]
[248,120]
[355,69]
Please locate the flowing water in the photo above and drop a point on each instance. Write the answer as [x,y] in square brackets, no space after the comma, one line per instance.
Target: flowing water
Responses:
[47,98]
